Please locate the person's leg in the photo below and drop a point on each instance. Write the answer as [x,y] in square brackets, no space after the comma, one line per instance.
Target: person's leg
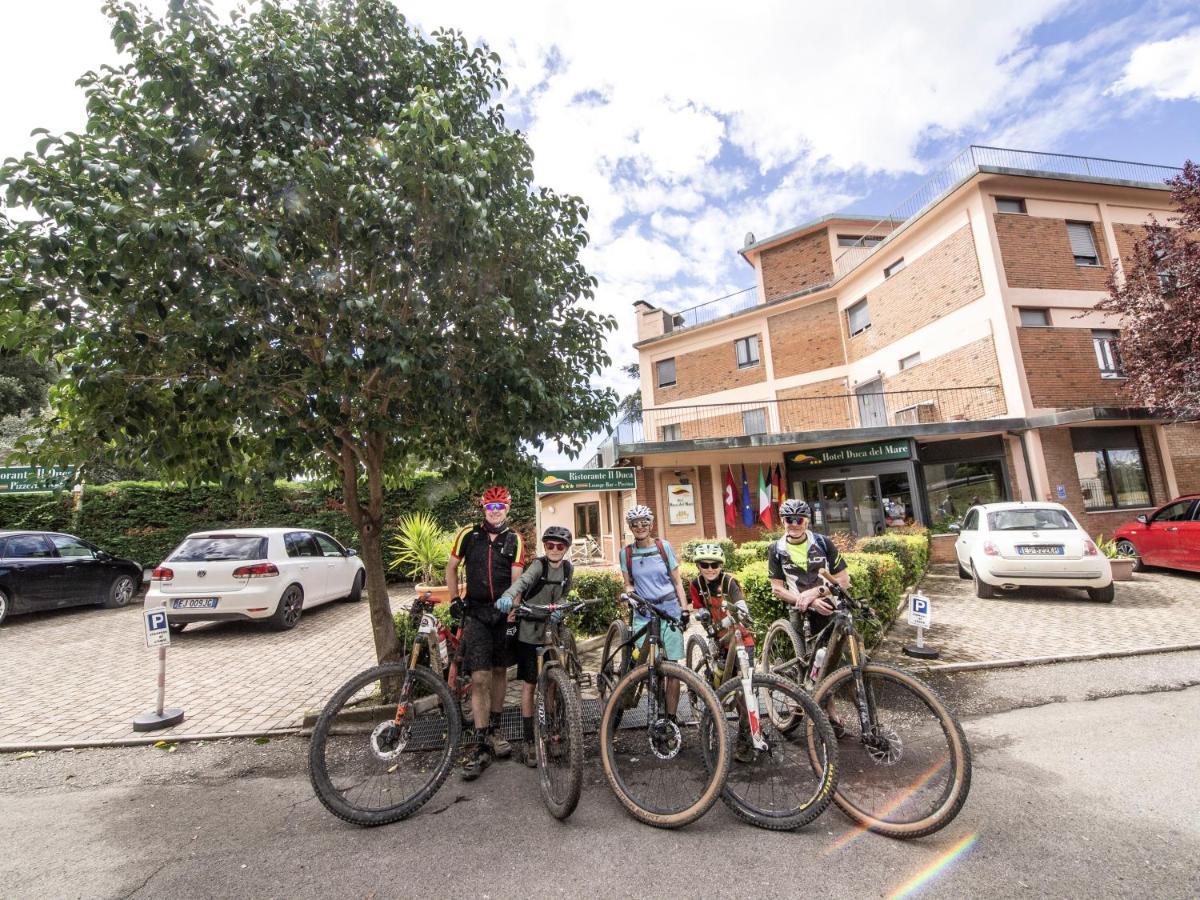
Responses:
[672,649]
[527,672]
[477,660]
[501,656]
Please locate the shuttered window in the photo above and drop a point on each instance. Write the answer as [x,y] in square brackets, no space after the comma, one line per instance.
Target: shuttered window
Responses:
[1083,243]
[665,369]
[859,317]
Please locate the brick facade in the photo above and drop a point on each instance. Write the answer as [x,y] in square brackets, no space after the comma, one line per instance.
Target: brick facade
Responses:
[1183,441]
[797,265]
[1127,236]
[1036,253]
[806,339]
[707,371]
[1061,368]
[972,365]
[1060,467]
[932,285]
[816,406]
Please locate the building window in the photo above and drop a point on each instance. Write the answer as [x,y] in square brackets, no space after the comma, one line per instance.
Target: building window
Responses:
[954,487]
[665,370]
[894,268]
[1038,318]
[909,361]
[857,240]
[747,351]
[1010,205]
[859,317]
[754,421]
[1108,353]
[587,520]
[671,432]
[1111,470]
[1083,243]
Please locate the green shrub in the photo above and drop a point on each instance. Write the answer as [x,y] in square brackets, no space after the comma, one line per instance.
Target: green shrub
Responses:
[603,584]
[743,556]
[759,548]
[689,549]
[910,550]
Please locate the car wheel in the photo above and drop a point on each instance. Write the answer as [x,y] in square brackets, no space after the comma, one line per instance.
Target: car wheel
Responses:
[1126,548]
[3,607]
[177,627]
[983,590]
[291,605]
[963,573]
[120,592]
[1104,594]
[356,591]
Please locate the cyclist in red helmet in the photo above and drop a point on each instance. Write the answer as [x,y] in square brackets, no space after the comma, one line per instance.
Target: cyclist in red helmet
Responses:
[493,555]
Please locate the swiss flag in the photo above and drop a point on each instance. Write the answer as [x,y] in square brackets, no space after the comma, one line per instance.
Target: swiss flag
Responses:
[730,502]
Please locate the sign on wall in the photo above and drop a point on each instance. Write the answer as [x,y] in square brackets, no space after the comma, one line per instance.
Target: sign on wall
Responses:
[681,504]
[852,453]
[25,479]
[563,481]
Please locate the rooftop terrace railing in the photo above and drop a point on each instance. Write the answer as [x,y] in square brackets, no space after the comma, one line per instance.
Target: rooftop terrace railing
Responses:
[712,310]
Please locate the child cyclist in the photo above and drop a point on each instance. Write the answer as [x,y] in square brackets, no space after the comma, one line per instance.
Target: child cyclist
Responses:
[708,590]
[547,581]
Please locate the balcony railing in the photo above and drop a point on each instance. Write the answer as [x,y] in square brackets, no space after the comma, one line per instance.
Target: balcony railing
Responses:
[817,413]
[712,310]
[973,159]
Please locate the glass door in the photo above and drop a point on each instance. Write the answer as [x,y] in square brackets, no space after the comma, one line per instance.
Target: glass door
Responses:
[865,507]
[835,506]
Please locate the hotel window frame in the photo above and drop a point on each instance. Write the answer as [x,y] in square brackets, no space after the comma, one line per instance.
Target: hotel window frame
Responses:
[658,372]
[749,343]
[1076,233]
[898,266]
[1045,314]
[913,359]
[1019,203]
[1106,342]
[862,307]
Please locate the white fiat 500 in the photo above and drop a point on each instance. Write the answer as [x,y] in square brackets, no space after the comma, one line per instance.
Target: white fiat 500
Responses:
[1011,545]
[271,574]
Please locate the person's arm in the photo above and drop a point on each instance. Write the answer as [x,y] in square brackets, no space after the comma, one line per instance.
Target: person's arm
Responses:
[518,557]
[677,580]
[452,575]
[627,575]
[694,596]
[736,597]
[517,589]
[779,589]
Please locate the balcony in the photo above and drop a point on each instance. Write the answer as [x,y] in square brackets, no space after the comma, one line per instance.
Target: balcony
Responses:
[833,412]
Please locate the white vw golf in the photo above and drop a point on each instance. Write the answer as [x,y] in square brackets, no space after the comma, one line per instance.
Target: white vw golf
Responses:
[270,574]
[1011,545]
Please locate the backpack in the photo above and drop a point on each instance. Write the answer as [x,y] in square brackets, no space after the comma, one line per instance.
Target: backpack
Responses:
[662,551]
[568,571]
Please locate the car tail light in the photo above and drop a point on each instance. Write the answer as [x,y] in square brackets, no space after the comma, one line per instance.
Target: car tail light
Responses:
[162,573]
[990,549]
[258,570]
[1090,548]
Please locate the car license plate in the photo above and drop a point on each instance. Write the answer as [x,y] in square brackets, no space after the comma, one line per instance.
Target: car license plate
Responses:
[1042,550]
[194,603]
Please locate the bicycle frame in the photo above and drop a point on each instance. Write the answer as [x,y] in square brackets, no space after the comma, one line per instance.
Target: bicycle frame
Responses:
[736,655]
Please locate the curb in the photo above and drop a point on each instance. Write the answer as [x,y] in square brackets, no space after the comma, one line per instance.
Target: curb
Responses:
[148,740]
[1041,660]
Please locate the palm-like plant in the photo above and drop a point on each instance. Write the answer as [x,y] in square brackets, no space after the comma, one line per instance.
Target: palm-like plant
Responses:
[421,548]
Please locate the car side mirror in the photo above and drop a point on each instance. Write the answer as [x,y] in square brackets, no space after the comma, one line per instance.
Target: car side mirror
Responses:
[1142,518]
[103,556]
[350,551]
[956,528]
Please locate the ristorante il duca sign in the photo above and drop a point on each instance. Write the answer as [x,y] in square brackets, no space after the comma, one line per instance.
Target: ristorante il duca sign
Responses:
[563,481]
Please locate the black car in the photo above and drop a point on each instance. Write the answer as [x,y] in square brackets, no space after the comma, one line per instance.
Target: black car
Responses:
[49,570]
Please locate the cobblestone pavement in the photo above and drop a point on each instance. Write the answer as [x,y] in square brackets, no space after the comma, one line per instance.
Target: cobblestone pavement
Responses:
[82,674]
[1156,609]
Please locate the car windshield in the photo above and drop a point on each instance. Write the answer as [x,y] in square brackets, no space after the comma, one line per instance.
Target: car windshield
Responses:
[1030,520]
[215,548]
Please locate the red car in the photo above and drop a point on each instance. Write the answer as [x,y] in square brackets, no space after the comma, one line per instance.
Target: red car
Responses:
[1168,537]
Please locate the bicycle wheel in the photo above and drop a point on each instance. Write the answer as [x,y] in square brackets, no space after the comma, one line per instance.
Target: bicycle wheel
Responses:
[909,775]
[659,769]
[614,668]
[699,660]
[783,656]
[369,769]
[558,733]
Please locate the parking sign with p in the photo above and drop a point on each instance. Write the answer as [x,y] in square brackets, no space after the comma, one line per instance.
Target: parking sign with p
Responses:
[158,634]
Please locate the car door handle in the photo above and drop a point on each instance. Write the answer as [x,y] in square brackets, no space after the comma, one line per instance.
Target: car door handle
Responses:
[1173,528]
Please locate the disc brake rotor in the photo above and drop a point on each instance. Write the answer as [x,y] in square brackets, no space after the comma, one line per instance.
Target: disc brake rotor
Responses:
[884,745]
[666,739]
[388,740]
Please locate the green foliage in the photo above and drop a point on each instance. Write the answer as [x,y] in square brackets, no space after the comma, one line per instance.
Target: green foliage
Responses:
[910,550]
[596,583]
[421,548]
[742,557]
[1109,548]
[689,549]
[688,571]
[23,383]
[406,630]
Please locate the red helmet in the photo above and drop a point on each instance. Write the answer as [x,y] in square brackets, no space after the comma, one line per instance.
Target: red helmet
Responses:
[496,495]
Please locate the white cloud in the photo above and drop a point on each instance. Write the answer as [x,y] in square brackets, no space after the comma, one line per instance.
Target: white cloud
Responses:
[1167,70]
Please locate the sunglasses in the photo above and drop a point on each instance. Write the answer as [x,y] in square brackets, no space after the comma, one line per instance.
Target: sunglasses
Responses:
[794,520]
[554,545]
[639,524]
[495,507]
[708,565]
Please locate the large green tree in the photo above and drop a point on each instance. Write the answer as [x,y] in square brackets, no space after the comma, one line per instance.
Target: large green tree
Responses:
[304,240]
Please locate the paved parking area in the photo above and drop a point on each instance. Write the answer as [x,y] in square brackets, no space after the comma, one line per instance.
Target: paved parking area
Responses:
[82,674]
[1156,609]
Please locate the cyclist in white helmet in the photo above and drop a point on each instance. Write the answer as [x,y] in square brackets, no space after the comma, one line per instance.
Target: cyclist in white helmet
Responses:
[651,570]
[794,563]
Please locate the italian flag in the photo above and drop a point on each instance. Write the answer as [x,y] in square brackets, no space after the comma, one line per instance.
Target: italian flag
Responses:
[764,500]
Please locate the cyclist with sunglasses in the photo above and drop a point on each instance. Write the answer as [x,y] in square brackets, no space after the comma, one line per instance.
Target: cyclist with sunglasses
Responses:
[651,571]
[794,563]
[493,555]
[547,581]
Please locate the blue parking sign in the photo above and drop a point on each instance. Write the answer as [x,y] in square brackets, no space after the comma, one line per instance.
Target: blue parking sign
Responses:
[158,632]
[919,611]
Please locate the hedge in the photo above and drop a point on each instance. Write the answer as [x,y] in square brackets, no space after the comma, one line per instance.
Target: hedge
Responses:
[145,521]
[910,550]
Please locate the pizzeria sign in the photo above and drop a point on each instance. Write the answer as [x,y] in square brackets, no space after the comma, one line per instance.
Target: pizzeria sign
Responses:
[563,481]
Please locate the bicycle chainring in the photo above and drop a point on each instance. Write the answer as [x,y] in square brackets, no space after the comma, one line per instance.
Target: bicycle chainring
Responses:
[388,740]
[884,746]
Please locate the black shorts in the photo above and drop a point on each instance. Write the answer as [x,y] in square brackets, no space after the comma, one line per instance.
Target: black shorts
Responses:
[525,656]
[487,646]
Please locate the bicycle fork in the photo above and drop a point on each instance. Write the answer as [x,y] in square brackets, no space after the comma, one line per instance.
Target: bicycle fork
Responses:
[750,698]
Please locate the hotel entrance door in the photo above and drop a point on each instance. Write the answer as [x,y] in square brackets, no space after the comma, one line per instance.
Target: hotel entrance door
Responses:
[846,504]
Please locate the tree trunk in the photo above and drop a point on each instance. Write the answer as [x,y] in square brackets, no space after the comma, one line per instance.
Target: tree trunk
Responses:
[387,645]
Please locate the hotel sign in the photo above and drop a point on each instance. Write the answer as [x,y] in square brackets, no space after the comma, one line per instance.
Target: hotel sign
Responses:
[851,454]
[26,479]
[563,481]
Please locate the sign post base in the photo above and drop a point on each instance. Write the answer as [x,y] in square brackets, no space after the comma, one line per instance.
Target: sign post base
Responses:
[152,721]
[920,652]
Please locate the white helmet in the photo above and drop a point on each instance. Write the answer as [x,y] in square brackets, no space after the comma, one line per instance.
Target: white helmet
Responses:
[639,512]
[709,552]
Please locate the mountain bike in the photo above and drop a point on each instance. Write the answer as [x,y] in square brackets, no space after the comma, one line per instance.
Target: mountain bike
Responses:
[658,765]
[558,723]
[384,743]
[773,781]
[904,765]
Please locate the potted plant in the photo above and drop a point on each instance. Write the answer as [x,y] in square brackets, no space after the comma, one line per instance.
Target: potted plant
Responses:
[421,550]
[1122,566]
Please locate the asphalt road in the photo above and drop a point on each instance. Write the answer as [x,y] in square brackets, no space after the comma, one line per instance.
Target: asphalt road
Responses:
[1084,786]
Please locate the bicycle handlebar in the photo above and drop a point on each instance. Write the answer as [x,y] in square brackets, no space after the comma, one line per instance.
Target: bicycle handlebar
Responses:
[524,611]
[646,608]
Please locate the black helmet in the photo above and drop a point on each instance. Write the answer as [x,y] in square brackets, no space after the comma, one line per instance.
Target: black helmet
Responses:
[557,533]
[795,507]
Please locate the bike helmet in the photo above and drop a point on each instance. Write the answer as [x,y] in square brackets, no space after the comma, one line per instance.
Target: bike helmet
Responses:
[795,507]
[638,512]
[557,533]
[496,494]
[710,552]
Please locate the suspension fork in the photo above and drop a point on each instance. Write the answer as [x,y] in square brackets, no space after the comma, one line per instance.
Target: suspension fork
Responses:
[749,696]
[863,698]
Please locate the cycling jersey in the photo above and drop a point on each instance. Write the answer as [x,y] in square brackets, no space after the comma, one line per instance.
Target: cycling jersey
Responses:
[800,576]
[705,593]
[488,562]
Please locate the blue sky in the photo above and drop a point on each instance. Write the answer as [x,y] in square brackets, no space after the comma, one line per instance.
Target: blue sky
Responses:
[684,126]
